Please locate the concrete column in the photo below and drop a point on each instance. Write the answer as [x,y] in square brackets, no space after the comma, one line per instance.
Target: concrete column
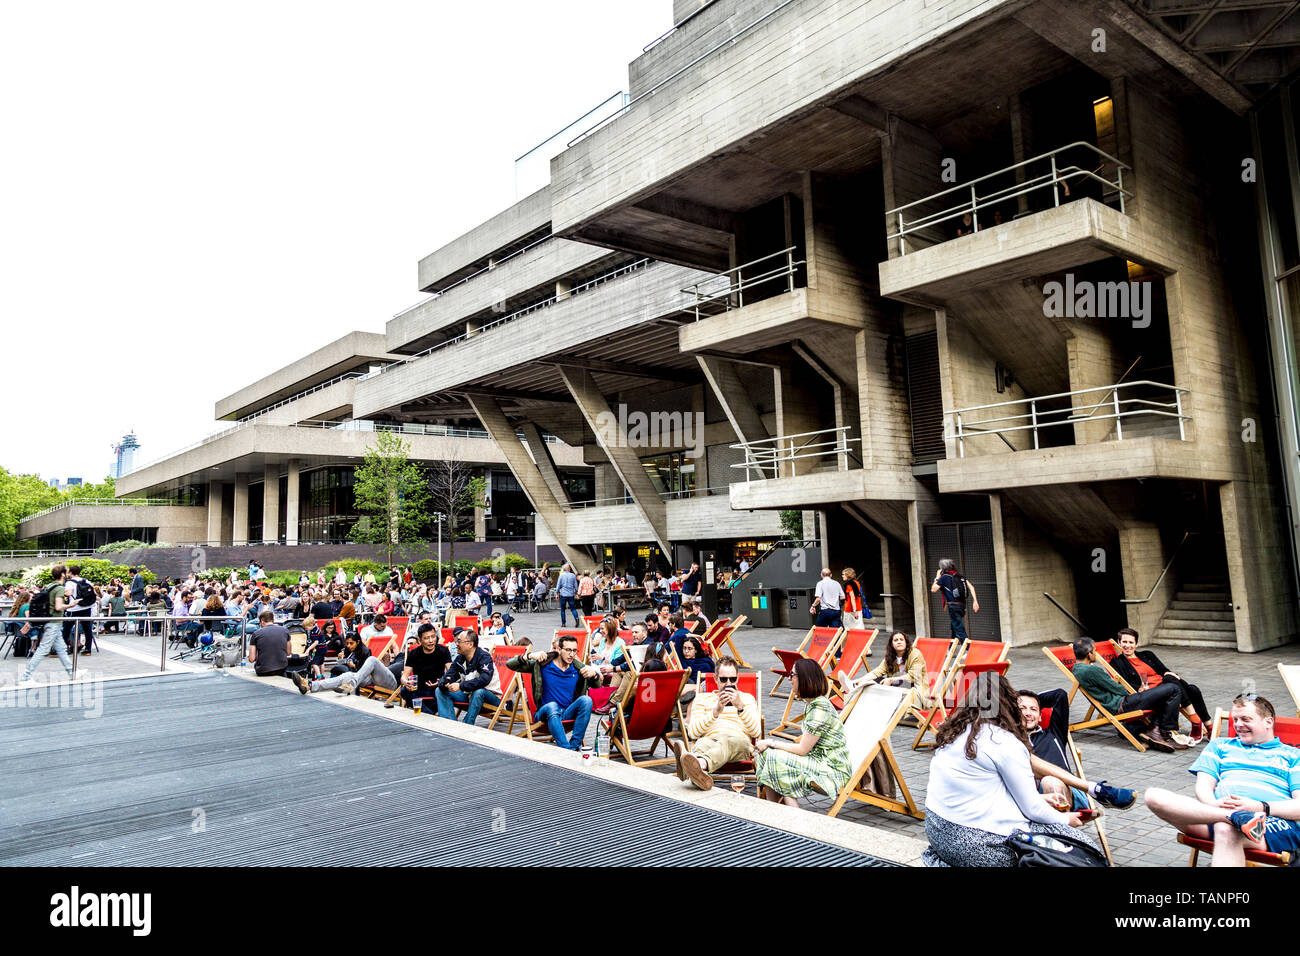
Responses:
[607,483]
[795,415]
[215,489]
[239,530]
[562,289]
[291,503]
[542,459]
[271,504]
[480,524]
[921,512]
[614,442]
[732,395]
[1091,352]
[1142,557]
[548,508]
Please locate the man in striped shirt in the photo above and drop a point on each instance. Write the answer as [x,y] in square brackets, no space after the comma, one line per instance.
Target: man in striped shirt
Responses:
[723,726]
[1247,790]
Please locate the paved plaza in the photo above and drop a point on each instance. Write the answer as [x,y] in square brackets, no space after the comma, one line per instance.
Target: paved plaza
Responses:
[1137,838]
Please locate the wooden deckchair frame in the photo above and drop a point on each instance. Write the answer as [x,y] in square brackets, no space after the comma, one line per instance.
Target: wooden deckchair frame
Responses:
[922,694]
[828,665]
[1078,772]
[1088,722]
[724,636]
[802,650]
[618,730]
[852,789]
[1291,678]
[928,724]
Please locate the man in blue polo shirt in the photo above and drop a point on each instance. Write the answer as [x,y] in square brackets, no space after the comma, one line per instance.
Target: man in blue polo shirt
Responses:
[1247,790]
[560,690]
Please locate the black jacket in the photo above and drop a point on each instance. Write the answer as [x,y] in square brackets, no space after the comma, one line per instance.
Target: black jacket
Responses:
[1126,670]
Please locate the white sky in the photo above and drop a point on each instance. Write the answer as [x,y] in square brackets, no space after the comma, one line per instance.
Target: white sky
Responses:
[192,196]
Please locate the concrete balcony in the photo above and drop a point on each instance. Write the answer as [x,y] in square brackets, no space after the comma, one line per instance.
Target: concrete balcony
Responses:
[174,522]
[352,354]
[753,79]
[530,273]
[1130,430]
[247,448]
[633,296]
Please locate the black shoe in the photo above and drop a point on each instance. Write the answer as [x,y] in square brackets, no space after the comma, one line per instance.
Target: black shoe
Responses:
[301,681]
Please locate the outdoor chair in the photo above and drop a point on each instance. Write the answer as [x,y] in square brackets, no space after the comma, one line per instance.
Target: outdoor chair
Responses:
[856,645]
[1063,658]
[654,701]
[869,718]
[819,645]
[959,679]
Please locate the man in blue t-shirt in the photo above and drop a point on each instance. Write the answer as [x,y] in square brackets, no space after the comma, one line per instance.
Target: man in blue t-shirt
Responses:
[566,588]
[1247,790]
[560,690]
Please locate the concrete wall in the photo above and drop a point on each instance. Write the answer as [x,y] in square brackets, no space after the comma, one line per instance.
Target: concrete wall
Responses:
[736,92]
[174,522]
[352,351]
[1214,360]
[706,29]
[621,304]
[504,289]
[1028,563]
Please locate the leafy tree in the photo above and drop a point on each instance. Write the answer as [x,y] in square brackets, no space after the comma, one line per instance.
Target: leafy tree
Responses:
[20,496]
[104,489]
[792,523]
[391,494]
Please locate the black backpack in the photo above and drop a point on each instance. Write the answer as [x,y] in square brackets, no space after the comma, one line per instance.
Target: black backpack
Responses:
[955,592]
[85,593]
[40,605]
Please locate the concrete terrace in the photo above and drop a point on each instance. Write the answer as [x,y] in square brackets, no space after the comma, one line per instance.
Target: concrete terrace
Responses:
[1137,838]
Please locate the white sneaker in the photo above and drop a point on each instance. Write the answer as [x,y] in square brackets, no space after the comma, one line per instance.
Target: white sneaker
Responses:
[1182,739]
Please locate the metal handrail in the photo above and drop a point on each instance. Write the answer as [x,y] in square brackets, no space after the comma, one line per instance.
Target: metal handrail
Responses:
[1053,179]
[629,500]
[488,268]
[668,79]
[1066,416]
[761,459]
[898,597]
[97,502]
[737,288]
[528,310]
[1169,564]
[1059,607]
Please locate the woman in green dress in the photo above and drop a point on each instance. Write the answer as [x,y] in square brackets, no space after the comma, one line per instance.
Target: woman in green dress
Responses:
[787,771]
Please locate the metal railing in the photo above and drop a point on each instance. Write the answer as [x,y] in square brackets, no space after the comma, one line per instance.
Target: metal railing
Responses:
[766,454]
[49,552]
[729,287]
[411,428]
[495,263]
[546,303]
[304,393]
[1168,564]
[958,426]
[97,503]
[1057,178]
[1060,607]
[141,622]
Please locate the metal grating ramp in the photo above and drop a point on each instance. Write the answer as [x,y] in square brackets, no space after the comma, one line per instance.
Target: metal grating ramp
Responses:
[211,770]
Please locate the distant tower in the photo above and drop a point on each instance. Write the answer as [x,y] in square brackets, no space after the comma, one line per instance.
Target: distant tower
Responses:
[124,452]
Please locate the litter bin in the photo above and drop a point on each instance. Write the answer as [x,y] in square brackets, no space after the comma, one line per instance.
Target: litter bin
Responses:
[762,609]
[797,605]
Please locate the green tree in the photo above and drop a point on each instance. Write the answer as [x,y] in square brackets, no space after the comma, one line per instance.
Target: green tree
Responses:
[104,489]
[792,523]
[20,496]
[391,495]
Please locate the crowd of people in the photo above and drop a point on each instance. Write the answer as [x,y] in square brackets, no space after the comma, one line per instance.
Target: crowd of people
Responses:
[1000,765]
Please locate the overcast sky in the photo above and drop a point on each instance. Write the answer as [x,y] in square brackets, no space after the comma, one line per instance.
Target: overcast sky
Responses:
[193,195]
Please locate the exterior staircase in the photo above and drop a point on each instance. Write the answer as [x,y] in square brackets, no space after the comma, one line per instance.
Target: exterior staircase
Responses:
[1200,615]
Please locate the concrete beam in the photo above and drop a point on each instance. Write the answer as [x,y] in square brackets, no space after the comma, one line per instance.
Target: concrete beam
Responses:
[696,214]
[627,368]
[863,110]
[541,453]
[614,442]
[529,476]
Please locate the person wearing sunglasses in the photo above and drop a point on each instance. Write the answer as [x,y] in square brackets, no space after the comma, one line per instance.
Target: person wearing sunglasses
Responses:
[722,724]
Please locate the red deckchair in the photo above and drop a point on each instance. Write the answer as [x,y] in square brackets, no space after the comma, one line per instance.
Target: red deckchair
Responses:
[819,644]
[654,702]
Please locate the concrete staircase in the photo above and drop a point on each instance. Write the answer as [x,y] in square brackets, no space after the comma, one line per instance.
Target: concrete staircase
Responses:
[1200,615]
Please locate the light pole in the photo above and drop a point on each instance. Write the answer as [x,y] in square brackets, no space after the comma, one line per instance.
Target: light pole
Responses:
[534,539]
[438,518]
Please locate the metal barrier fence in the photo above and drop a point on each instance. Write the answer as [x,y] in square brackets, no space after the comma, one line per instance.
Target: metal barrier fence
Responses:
[143,620]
